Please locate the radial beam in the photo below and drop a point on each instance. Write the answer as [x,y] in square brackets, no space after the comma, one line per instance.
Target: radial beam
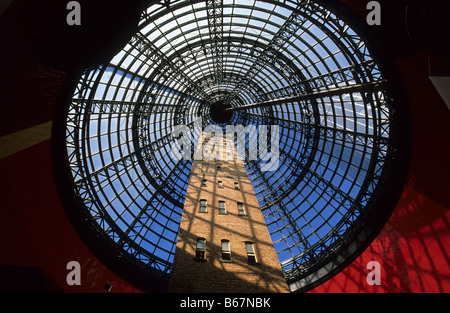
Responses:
[271,51]
[215,24]
[366,87]
[168,67]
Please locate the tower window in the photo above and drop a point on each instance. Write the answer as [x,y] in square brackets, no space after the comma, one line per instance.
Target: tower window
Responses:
[250,252]
[203,182]
[222,209]
[202,208]
[200,249]
[226,251]
[220,184]
[241,210]
[236,185]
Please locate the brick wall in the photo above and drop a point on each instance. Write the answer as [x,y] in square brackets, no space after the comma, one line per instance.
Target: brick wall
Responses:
[214,274]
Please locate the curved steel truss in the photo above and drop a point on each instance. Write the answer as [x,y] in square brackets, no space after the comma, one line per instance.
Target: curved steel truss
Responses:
[294,64]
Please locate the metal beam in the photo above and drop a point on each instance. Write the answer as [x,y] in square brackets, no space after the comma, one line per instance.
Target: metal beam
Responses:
[104,107]
[271,51]
[290,224]
[366,87]
[215,23]
[167,66]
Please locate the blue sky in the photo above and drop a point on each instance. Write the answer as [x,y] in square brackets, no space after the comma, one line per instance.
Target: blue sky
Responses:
[315,212]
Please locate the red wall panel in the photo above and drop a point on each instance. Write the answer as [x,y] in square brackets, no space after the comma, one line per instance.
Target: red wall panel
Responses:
[35,227]
[413,248]
[412,259]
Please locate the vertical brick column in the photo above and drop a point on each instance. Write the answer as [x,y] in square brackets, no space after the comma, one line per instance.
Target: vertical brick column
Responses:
[240,228]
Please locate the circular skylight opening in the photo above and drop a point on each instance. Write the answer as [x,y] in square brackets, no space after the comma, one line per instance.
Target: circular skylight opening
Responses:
[294,64]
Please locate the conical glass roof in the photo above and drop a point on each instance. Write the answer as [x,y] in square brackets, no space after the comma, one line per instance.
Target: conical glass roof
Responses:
[294,64]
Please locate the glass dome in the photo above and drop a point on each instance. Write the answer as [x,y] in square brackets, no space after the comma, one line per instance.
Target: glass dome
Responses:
[295,64]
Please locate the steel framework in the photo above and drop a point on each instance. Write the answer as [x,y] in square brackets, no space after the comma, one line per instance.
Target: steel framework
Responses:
[294,64]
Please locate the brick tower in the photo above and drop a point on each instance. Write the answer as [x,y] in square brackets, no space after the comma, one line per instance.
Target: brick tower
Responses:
[223,242]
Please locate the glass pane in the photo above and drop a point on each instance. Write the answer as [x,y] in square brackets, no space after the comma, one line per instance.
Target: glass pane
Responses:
[225,245]
[201,244]
[249,247]
[226,256]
